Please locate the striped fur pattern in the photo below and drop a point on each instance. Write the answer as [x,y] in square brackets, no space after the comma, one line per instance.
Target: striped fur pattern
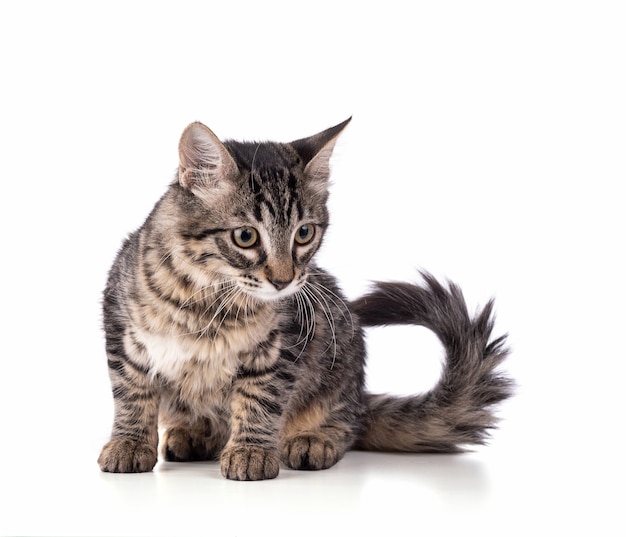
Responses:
[222,330]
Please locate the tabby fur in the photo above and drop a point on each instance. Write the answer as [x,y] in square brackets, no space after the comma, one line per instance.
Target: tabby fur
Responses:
[222,330]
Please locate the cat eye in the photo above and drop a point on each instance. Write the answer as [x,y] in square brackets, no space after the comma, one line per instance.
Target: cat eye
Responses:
[245,237]
[305,234]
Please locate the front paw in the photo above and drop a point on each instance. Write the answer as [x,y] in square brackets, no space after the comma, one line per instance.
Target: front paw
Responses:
[249,463]
[122,455]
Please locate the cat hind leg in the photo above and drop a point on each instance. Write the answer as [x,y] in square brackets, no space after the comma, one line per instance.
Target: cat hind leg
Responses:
[312,441]
[313,450]
[185,444]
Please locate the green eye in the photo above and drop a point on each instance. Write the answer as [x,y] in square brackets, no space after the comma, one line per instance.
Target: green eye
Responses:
[305,234]
[245,237]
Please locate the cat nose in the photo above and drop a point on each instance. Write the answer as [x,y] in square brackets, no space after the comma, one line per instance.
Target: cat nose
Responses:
[279,284]
[280,276]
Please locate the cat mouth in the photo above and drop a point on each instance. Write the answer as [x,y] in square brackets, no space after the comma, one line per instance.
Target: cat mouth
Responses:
[270,293]
[265,290]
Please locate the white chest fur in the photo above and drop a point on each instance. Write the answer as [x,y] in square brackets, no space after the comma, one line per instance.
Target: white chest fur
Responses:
[213,362]
[172,355]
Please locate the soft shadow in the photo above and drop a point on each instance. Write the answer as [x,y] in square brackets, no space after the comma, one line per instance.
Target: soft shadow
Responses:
[460,480]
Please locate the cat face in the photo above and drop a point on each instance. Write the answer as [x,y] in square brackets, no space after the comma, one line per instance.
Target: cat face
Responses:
[274,222]
[264,208]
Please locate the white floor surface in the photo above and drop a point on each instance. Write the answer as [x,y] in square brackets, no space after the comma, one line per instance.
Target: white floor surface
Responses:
[488,493]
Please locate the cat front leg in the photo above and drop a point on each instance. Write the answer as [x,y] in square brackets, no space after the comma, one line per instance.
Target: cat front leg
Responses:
[134,439]
[251,453]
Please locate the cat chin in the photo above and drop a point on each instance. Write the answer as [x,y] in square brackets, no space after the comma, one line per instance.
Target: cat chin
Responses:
[273,295]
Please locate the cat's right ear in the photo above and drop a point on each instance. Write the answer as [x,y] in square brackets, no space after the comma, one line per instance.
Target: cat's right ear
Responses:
[205,165]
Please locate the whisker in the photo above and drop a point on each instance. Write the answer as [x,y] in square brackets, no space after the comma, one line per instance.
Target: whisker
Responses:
[217,291]
[301,314]
[224,295]
[232,299]
[163,259]
[318,297]
[342,306]
[228,299]
[252,166]
[306,313]
[242,304]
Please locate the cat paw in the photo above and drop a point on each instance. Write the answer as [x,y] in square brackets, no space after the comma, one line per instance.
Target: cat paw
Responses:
[122,455]
[309,452]
[249,463]
[177,445]
[181,445]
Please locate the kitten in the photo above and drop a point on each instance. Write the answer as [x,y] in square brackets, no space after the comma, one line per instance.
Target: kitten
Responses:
[221,328]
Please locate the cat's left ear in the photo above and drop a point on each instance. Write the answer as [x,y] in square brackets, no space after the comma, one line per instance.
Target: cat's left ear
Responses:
[316,151]
[205,164]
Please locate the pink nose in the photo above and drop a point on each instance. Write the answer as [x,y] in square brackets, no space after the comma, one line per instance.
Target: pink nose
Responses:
[279,284]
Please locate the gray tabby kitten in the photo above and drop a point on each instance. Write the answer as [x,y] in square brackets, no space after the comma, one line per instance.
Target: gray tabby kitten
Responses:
[221,328]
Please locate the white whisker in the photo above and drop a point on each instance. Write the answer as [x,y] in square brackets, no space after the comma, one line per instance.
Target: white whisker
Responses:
[231,299]
[226,302]
[318,296]
[306,313]
[222,295]
[342,306]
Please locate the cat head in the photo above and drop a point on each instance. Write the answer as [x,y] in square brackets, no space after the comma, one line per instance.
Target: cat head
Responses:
[256,212]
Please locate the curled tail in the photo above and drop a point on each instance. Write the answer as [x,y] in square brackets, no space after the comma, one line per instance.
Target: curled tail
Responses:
[458,410]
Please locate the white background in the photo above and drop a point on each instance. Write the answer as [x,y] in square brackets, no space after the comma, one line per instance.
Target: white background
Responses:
[487,146]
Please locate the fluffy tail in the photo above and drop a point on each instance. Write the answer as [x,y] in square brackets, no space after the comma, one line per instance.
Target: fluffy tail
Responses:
[459,409]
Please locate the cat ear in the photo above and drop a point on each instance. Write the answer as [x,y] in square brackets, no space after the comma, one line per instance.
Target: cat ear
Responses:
[316,151]
[205,164]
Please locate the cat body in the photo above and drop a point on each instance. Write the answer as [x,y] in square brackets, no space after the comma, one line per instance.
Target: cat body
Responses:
[221,329]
